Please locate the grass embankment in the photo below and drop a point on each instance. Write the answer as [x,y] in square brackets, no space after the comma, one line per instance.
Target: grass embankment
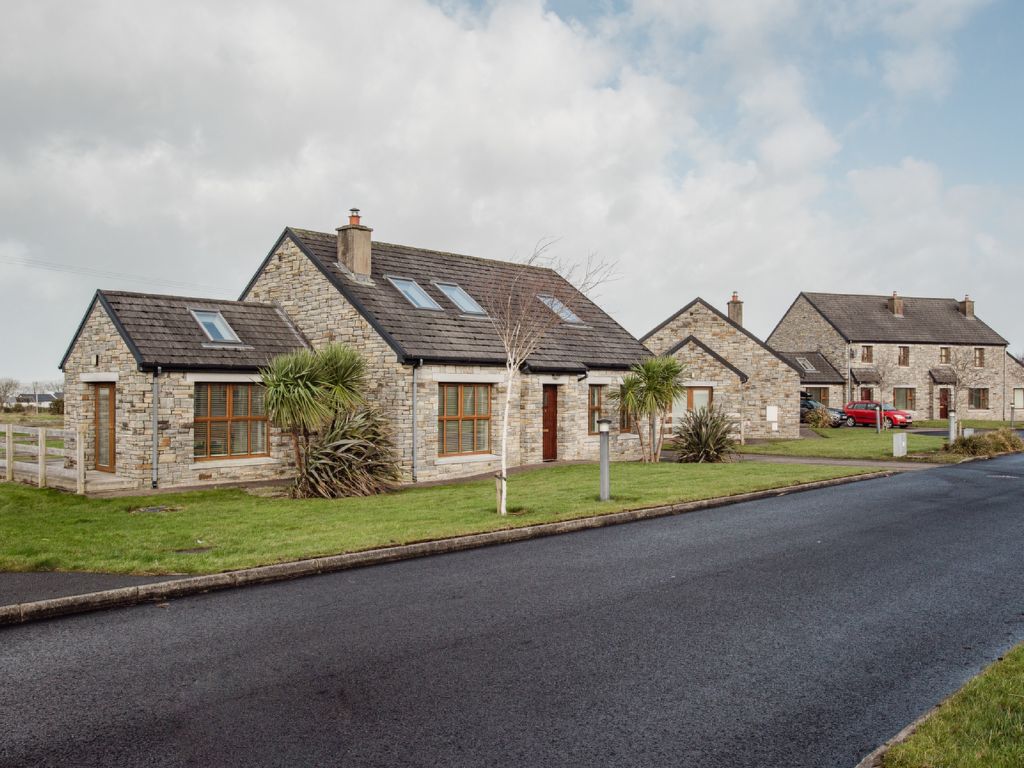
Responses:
[854,443]
[970,423]
[981,726]
[49,530]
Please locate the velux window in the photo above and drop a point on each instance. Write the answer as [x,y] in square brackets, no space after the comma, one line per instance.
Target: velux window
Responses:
[806,365]
[414,293]
[559,308]
[461,299]
[214,325]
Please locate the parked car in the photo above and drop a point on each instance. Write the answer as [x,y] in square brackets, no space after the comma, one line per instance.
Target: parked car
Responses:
[863,412]
[808,406]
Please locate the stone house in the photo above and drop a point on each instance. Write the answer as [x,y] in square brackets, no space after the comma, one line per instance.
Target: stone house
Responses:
[198,360]
[729,367]
[419,317]
[924,355]
[818,377]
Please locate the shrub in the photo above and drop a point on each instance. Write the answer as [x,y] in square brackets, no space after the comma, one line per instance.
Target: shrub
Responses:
[354,456]
[57,407]
[820,418]
[999,441]
[705,436]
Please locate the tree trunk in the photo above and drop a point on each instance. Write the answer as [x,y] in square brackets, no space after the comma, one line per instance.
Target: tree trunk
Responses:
[652,425]
[509,381]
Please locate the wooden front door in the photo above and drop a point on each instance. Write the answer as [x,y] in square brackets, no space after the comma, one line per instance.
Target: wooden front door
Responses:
[867,393]
[105,400]
[550,422]
[943,403]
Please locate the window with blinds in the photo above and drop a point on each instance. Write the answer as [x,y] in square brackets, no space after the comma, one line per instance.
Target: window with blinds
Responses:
[463,419]
[230,422]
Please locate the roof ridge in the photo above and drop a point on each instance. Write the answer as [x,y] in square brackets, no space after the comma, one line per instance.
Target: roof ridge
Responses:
[879,296]
[144,294]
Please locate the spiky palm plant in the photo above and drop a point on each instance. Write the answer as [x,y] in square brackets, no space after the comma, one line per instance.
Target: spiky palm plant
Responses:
[705,435]
[646,395]
[355,456]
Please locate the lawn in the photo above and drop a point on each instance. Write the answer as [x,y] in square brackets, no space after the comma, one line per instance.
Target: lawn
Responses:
[54,421]
[981,726]
[971,423]
[853,443]
[216,530]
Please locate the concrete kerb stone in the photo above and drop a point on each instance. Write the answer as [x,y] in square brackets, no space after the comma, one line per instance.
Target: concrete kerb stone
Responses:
[163,590]
[876,758]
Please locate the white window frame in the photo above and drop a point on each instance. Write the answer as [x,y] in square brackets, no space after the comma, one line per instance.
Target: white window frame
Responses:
[222,326]
[559,308]
[394,280]
[806,365]
[460,298]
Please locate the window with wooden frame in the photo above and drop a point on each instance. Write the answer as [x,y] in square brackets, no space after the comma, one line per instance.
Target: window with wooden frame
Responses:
[818,393]
[230,422]
[944,355]
[903,358]
[625,419]
[867,354]
[463,419]
[979,357]
[595,405]
[904,398]
[978,399]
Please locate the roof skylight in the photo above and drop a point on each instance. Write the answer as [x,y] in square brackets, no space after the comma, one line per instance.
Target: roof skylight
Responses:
[414,293]
[559,309]
[806,365]
[461,299]
[214,325]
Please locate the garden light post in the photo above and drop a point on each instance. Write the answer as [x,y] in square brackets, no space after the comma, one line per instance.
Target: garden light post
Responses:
[878,418]
[603,425]
[952,425]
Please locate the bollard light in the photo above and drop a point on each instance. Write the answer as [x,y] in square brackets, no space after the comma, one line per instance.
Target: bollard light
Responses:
[603,426]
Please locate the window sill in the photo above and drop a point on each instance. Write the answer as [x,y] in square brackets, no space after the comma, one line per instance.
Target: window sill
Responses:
[468,459]
[227,463]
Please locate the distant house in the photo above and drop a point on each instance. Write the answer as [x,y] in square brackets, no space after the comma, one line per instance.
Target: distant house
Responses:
[729,367]
[819,379]
[910,351]
[38,399]
[418,317]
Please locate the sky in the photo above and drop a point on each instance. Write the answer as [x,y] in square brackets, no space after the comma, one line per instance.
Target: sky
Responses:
[703,146]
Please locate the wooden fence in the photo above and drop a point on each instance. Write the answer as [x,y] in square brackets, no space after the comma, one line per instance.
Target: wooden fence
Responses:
[28,458]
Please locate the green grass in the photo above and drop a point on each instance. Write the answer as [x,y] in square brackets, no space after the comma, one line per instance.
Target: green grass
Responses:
[53,421]
[49,530]
[971,423]
[852,443]
[981,726]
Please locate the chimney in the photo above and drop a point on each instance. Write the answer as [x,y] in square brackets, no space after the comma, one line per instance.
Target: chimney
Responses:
[736,309]
[966,306]
[896,304]
[354,246]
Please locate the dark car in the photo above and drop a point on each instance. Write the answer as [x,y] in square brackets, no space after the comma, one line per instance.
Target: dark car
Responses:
[808,406]
[864,412]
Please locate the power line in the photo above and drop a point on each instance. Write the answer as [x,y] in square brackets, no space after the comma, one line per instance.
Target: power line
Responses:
[93,272]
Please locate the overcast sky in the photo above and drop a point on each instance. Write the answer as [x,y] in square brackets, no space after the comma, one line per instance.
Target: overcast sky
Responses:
[707,146]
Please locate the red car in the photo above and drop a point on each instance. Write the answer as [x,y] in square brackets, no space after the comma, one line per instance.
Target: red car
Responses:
[863,412]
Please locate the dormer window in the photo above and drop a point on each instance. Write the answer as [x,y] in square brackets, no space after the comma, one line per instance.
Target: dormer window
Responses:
[215,326]
[806,365]
[461,299]
[559,309]
[414,293]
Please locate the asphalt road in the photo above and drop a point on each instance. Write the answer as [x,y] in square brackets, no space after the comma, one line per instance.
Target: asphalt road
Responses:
[797,631]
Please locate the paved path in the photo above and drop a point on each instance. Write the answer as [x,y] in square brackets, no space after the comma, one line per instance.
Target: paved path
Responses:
[894,466]
[797,631]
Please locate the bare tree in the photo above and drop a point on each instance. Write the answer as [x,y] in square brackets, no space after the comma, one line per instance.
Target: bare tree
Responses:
[966,375]
[8,388]
[525,302]
[886,371]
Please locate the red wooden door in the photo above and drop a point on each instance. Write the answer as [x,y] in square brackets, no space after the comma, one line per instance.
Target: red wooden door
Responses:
[943,403]
[549,421]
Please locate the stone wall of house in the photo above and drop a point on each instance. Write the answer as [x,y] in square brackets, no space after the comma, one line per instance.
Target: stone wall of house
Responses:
[134,418]
[803,329]
[771,381]
[836,393]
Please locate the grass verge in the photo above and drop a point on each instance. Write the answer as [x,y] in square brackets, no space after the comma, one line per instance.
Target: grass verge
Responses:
[211,531]
[855,443]
[971,423]
[981,726]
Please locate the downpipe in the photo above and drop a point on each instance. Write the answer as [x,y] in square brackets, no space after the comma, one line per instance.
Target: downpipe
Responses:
[415,367]
[156,426]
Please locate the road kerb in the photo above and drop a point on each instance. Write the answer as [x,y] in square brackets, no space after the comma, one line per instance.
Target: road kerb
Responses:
[162,590]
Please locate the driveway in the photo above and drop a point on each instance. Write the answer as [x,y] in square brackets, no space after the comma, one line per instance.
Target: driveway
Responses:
[796,631]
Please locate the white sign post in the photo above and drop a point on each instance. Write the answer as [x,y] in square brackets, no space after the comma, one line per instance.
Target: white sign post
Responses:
[899,444]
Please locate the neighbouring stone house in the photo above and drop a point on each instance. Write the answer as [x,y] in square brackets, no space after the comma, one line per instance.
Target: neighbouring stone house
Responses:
[729,367]
[818,377]
[419,318]
[922,354]
[198,359]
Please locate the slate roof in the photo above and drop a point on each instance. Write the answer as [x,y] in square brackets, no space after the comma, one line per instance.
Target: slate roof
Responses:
[824,372]
[161,331]
[925,320]
[865,375]
[943,375]
[28,397]
[449,336]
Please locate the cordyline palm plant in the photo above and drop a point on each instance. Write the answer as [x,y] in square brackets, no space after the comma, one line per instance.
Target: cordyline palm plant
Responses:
[646,396]
[705,435]
[342,446]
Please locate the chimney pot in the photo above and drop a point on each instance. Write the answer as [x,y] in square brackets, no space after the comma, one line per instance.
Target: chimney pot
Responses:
[355,246]
[966,306]
[736,309]
[896,304]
